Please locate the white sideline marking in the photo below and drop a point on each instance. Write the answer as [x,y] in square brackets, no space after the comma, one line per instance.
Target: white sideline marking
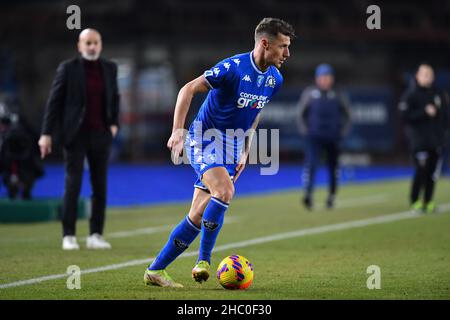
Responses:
[133,232]
[280,236]
[372,199]
[344,203]
[151,230]
[354,202]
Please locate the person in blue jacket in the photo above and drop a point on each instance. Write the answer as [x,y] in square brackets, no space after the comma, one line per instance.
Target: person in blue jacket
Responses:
[323,120]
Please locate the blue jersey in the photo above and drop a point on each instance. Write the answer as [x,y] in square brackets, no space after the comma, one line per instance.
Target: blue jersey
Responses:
[239,91]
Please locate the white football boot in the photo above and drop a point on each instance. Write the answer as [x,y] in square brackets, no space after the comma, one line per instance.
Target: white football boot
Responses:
[96,241]
[70,243]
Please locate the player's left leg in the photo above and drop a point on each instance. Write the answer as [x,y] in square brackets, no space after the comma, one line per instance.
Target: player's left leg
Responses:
[199,202]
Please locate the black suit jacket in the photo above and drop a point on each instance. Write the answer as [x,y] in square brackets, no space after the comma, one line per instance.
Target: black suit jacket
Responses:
[66,104]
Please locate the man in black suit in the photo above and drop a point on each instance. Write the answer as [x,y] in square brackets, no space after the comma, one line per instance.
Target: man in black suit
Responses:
[84,104]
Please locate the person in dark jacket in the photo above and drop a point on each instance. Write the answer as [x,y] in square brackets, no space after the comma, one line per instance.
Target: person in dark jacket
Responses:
[20,164]
[424,110]
[323,119]
[84,102]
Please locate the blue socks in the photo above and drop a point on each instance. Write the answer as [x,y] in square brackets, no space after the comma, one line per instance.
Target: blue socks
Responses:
[186,232]
[211,224]
[180,239]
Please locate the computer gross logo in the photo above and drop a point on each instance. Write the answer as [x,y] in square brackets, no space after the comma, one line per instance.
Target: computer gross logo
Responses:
[251,100]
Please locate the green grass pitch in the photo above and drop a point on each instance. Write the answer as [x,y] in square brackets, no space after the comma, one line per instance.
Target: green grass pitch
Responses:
[413,253]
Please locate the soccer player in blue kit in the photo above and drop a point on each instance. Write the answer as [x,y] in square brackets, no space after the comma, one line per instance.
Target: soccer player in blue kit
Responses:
[239,87]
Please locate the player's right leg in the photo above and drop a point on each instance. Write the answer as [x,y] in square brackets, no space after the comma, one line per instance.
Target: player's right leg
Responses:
[201,270]
[218,182]
[180,239]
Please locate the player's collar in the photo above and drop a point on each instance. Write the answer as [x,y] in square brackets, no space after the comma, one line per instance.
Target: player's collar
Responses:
[254,64]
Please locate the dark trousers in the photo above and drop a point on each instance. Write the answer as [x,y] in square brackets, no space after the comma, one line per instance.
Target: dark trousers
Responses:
[425,163]
[95,146]
[314,149]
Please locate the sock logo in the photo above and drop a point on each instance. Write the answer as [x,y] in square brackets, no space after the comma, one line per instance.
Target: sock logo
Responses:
[211,226]
[180,244]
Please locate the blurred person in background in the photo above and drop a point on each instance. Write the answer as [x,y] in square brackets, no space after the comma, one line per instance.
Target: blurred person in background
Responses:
[424,110]
[20,164]
[84,103]
[323,120]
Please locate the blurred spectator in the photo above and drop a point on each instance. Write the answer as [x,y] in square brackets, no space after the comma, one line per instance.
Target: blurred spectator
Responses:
[84,102]
[20,164]
[323,119]
[424,110]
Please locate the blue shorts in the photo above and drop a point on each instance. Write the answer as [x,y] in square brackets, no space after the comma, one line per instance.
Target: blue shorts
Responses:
[202,162]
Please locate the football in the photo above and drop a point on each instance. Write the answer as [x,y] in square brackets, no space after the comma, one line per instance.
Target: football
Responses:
[235,272]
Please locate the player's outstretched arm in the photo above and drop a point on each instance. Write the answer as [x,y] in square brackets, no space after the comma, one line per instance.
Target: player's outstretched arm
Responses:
[184,99]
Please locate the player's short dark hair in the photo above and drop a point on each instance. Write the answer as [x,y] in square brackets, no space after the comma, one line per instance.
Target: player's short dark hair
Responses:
[273,26]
